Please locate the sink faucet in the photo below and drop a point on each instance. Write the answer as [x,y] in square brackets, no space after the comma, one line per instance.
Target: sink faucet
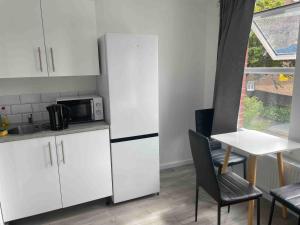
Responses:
[30,119]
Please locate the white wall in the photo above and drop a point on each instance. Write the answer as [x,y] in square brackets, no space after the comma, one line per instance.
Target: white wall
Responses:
[212,35]
[17,86]
[187,33]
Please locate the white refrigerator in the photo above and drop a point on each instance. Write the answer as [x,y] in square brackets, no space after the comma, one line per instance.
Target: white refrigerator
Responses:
[129,86]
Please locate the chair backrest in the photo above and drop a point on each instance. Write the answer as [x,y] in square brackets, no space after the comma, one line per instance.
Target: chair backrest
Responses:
[204,121]
[205,172]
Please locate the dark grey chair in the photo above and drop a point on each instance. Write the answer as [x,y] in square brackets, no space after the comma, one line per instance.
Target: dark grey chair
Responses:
[226,189]
[289,196]
[204,121]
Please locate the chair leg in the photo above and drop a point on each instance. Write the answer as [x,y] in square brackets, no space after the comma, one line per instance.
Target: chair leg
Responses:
[258,211]
[272,211]
[228,209]
[245,169]
[219,214]
[299,220]
[196,204]
[220,169]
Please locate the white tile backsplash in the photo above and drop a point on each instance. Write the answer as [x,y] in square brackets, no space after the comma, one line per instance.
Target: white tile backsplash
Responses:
[37,116]
[68,94]
[19,107]
[15,118]
[6,110]
[43,106]
[45,115]
[25,117]
[36,107]
[30,98]
[87,93]
[10,100]
[25,108]
[49,97]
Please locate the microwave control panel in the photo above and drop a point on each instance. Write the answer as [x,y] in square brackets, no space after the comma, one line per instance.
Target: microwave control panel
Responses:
[98,109]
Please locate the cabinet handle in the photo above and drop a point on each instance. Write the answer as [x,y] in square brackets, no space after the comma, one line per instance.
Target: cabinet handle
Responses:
[40,59]
[52,59]
[50,153]
[63,152]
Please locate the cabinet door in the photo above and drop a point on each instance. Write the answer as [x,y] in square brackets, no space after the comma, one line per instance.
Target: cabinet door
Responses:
[29,180]
[22,49]
[84,166]
[70,36]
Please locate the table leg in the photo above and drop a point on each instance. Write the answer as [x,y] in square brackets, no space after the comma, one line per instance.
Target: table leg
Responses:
[226,159]
[281,178]
[252,180]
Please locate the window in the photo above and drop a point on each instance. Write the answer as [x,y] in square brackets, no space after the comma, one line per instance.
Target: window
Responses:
[270,66]
[277,30]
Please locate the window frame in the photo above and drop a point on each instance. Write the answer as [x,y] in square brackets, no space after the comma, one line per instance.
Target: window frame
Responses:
[255,28]
[270,70]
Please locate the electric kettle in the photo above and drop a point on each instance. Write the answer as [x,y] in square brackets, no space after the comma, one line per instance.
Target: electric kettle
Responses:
[59,116]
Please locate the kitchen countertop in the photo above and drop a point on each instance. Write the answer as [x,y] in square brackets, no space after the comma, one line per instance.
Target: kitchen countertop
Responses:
[73,128]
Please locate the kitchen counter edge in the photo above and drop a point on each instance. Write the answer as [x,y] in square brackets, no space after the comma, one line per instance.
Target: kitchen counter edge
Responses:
[73,128]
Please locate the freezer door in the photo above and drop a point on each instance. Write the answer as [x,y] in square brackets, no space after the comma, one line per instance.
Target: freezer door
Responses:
[132,67]
[135,168]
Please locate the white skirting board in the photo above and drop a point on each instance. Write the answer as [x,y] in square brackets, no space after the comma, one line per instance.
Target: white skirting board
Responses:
[164,166]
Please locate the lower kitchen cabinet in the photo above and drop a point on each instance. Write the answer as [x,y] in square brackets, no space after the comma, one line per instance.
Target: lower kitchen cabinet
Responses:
[84,166]
[29,181]
[44,174]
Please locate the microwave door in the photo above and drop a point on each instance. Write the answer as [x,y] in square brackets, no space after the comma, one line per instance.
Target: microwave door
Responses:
[81,110]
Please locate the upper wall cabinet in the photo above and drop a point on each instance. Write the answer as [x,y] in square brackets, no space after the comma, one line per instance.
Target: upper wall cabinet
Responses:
[41,38]
[70,37]
[22,49]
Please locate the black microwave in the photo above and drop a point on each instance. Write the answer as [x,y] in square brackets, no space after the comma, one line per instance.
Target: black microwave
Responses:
[83,109]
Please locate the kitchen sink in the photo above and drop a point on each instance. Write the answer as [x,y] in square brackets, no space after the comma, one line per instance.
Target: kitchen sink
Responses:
[26,129]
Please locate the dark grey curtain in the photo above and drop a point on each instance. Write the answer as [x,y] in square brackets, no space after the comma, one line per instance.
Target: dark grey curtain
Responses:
[235,24]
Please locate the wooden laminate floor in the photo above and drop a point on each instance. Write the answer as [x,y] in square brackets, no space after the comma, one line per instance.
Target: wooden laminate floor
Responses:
[174,206]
